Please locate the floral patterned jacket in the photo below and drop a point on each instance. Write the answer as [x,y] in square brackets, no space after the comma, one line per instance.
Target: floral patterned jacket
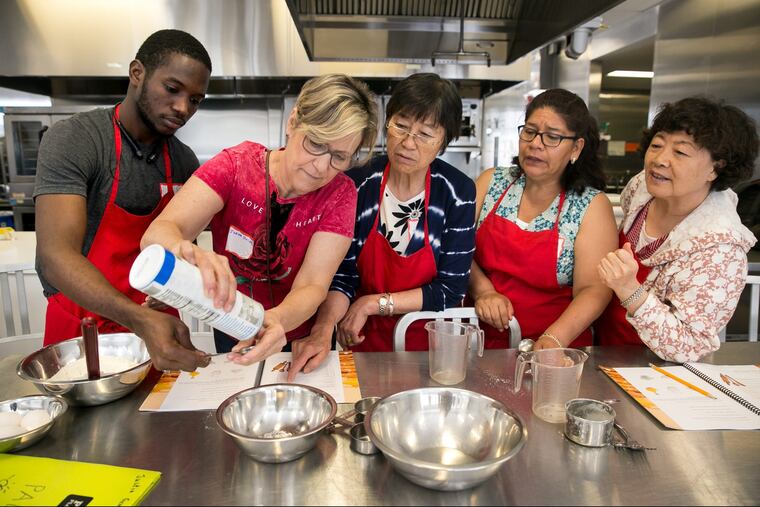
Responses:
[697,275]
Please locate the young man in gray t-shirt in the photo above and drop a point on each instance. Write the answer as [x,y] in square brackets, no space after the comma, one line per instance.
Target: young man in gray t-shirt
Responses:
[89,223]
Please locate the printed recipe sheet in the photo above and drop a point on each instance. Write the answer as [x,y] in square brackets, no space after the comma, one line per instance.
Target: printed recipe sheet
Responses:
[688,408]
[326,377]
[206,388]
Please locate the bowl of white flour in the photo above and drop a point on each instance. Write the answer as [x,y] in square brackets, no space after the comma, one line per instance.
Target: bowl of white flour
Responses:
[60,369]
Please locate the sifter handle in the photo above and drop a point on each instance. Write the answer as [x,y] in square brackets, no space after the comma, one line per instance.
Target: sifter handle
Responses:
[90,337]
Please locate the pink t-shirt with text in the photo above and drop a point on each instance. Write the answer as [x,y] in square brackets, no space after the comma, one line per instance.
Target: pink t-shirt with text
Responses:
[237,175]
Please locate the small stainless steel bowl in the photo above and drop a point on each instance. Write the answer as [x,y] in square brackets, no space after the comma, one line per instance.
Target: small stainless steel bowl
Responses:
[55,408]
[38,367]
[589,422]
[276,422]
[445,438]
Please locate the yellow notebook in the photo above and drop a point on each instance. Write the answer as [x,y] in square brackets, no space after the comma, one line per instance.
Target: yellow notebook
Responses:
[26,480]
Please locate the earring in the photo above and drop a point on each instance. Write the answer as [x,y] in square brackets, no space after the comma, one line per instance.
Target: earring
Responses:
[572,161]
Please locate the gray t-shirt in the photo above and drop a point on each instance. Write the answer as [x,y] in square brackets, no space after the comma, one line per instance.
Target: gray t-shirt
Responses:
[78,156]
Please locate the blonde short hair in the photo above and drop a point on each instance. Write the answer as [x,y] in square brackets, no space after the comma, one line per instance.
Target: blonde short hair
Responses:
[334,106]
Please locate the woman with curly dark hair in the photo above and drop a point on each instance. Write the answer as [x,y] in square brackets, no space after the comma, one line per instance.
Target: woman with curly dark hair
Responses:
[543,226]
[682,262]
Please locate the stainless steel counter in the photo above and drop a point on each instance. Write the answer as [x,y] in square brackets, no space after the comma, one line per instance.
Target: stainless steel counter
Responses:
[201,465]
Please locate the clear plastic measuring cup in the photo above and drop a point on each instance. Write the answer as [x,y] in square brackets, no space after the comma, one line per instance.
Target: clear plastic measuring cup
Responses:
[448,346]
[556,379]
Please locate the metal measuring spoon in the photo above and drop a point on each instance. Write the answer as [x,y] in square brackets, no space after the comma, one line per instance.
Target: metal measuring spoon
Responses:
[629,443]
[241,352]
[526,345]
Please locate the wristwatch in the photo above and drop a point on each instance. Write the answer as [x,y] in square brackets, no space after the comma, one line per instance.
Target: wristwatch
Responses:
[385,304]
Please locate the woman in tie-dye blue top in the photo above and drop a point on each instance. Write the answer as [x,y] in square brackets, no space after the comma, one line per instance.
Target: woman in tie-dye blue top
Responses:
[414,235]
[452,234]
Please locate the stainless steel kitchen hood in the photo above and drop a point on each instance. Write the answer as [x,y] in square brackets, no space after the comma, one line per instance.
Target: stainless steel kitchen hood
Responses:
[412,30]
[75,53]
[108,90]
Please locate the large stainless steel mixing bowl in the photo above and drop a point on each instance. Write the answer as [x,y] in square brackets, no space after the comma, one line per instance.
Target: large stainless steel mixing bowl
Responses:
[443,438]
[53,406]
[38,367]
[277,422]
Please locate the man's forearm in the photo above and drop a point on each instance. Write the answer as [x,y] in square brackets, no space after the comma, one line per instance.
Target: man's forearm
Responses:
[80,281]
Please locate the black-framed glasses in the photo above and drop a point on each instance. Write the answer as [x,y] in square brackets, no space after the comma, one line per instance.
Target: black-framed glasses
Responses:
[400,131]
[339,160]
[549,139]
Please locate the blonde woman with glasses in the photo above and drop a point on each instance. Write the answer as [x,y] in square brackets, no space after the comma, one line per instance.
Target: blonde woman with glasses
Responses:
[543,226]
[282,220]
[414,234]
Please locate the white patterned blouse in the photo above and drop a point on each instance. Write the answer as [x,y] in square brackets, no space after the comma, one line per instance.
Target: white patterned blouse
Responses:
[697,276]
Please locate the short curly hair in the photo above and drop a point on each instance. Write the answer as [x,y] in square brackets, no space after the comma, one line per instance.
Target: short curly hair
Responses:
[726,131]
[159,46]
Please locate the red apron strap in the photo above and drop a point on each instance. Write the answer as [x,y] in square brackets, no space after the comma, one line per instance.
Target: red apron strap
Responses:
[117,144]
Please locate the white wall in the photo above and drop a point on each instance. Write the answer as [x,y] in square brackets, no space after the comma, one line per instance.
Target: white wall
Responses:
[502,114]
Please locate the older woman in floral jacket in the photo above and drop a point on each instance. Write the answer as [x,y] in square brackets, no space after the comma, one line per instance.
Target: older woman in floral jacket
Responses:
[682,262]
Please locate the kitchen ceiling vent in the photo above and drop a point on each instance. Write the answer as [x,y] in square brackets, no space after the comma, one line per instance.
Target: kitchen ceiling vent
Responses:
[411,31]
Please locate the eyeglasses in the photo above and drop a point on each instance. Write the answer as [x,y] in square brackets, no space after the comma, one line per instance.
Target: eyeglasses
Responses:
[550,140]
[339,160]
[399,131]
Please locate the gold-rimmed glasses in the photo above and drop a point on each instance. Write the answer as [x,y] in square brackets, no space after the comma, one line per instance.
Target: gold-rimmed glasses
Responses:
[420,138]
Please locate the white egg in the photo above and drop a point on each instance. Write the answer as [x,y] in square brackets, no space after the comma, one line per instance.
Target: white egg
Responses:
[10,419]
[34,419]
[11,431]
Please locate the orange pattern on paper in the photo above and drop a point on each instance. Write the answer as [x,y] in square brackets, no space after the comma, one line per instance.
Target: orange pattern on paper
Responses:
[640,398]
[165,383]
[348,369]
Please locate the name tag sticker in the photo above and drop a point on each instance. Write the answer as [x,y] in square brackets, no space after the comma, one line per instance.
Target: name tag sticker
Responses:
[165,188]
[239,243]
[560,245]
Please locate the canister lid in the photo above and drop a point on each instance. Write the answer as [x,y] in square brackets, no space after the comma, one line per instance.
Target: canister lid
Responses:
[154,264]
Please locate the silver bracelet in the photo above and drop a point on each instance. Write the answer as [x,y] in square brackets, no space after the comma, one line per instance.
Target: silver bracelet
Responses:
[551,336]
[625,303]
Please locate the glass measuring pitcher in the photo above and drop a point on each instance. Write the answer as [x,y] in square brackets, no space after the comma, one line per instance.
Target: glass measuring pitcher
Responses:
[448,346]
[556,379]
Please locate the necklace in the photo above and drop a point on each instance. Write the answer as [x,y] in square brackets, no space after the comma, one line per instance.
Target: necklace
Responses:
[268,225]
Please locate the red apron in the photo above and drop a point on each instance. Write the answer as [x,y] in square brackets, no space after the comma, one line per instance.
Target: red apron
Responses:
[114,248]
[382,270]
[611,328]
[522,265]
